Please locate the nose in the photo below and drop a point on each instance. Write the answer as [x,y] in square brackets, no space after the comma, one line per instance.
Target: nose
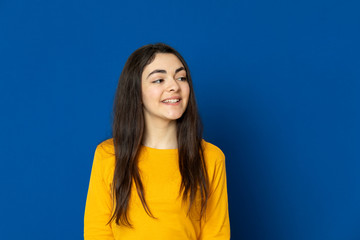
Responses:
[173,86]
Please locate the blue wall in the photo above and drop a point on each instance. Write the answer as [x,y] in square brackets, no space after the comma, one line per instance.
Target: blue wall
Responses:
[277,84]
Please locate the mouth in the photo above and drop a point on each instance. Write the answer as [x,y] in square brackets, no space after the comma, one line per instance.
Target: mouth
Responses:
[174,100]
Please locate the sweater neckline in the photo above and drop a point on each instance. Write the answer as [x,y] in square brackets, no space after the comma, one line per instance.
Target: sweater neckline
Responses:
[159,151]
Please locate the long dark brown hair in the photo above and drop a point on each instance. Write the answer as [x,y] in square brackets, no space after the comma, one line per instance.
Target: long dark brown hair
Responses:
[128,133]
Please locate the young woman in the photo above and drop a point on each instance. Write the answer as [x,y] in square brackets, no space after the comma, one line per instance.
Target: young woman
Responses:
[156,178]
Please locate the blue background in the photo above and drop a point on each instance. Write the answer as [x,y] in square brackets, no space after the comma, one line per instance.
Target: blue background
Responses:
[277,84]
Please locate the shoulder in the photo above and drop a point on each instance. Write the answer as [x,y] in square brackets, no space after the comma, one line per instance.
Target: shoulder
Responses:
[215,162]
[104,157]
[212,150]
[106,147]
[212,154]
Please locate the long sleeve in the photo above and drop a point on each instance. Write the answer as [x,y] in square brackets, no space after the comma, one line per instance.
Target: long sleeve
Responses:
[216,224]
[98,203]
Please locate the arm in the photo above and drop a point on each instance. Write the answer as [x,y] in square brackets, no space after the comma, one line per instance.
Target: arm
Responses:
[98,203]
[216,224]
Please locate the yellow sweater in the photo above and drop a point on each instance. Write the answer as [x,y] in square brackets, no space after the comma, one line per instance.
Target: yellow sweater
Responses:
[161,179]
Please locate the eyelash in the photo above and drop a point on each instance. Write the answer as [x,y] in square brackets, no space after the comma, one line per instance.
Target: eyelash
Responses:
[158,81]
[183,79]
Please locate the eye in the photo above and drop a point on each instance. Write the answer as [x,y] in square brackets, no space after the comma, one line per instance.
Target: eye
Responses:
[182,79]
[158,81]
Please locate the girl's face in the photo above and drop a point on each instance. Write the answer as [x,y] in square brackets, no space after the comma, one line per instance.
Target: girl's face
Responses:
[165,90]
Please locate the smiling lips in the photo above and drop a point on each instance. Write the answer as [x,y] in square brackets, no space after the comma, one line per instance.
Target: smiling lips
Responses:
[172,100]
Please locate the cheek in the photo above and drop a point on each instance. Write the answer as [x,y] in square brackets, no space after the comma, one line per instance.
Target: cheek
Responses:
[186,90]
[150,95]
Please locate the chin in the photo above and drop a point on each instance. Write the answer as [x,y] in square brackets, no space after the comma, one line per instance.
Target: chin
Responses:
[174,116]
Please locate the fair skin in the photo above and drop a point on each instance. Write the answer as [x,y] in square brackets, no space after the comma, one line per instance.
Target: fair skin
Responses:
[165,94]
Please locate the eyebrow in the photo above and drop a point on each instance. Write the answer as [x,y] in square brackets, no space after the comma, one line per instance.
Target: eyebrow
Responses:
[163,71]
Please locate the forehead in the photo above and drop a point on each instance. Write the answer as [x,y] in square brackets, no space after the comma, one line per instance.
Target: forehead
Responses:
[163,61]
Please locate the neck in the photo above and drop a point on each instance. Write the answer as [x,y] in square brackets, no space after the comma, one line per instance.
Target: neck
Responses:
[160,135]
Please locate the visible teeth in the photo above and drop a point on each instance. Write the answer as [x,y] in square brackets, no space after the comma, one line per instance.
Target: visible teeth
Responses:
[171,100]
